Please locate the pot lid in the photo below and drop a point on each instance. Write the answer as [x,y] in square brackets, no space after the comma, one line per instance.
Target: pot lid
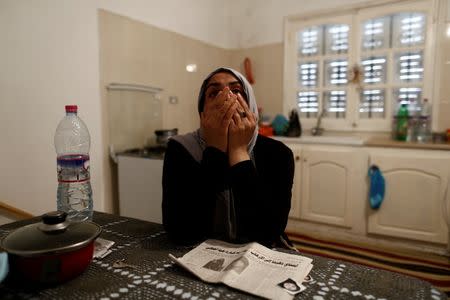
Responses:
[53,235]
[166,132]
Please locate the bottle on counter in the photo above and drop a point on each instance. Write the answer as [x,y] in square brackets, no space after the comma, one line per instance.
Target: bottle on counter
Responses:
[401,129]
[72,143]
[424,123]
[414,111]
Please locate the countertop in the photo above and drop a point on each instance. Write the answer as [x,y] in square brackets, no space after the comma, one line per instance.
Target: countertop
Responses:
[361,141]
[385,142]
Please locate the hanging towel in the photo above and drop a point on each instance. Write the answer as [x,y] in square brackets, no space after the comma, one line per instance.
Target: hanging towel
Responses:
[4,268]
[377,187]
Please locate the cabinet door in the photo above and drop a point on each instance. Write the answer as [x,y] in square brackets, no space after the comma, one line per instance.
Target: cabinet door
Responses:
[333,182]
[296,188]
[413,206]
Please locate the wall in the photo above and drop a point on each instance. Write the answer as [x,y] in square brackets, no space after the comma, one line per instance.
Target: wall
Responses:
[267,67]
[253,24]
[49,56]
[138,53]
[258,34]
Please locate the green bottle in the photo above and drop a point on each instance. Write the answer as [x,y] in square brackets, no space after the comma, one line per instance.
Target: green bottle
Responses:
[402,123]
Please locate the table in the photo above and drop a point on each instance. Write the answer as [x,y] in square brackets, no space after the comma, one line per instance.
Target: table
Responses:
[146,245]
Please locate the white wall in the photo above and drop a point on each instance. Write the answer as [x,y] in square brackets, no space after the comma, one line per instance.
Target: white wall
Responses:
[48,58]
[261,22]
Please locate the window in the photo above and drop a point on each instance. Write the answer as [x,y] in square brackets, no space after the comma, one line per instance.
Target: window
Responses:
[356,67]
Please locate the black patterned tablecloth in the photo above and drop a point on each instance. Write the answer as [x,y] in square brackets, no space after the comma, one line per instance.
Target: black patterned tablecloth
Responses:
[146,246]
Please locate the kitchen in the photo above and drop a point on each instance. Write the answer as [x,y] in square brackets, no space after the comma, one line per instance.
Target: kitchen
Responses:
[55,53]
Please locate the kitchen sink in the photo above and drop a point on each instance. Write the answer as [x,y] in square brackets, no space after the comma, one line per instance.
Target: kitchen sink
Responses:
[323,139]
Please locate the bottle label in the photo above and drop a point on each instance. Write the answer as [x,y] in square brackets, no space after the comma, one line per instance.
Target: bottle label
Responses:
[73,168]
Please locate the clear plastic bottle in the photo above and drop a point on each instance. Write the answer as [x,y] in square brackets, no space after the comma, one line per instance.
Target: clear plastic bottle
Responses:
[424,130]
[424,125]
[72,142]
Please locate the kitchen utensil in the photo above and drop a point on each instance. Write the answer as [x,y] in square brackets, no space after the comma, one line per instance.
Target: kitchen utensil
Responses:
[120,263]
[51,251]
[163,135]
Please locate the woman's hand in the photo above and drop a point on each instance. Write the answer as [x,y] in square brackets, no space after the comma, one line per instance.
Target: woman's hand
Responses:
[216,118]
[242,127]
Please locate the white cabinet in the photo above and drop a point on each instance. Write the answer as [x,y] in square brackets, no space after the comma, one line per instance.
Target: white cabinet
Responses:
[329,184]
[331,189]
[296,188]
[140,187]
[415,201]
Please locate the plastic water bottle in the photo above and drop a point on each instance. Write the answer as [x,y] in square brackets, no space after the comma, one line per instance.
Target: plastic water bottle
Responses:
[424,126]
[72,142]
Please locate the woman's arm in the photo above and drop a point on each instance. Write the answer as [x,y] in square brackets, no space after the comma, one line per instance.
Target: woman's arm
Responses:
[189,190]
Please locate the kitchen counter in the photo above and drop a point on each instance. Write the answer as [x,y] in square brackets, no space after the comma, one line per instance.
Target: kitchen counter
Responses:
[386,142]
[350,140]
[323,139]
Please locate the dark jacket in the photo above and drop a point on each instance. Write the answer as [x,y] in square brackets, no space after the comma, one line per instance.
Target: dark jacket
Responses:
[261,192]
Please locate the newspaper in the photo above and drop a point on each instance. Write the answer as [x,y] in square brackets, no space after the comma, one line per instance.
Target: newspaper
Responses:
[250,267]
[101,247]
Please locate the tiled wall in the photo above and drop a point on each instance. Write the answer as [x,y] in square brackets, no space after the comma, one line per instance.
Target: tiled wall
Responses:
[133,52]
[444,93]
[138,53]
[267,67]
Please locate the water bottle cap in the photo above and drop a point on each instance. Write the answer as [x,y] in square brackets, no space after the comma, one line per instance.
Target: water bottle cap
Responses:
[71,108]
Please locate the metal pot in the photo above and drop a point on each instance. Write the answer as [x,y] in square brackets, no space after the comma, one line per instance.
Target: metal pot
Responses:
[163,135]
[51,251]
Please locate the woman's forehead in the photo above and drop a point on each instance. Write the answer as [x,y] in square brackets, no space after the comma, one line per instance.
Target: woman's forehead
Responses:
[222,79]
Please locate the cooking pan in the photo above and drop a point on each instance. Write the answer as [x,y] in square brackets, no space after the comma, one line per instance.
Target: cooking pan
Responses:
[163,135]
[51,251]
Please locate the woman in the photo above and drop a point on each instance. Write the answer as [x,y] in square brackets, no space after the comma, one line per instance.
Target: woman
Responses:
[225,181]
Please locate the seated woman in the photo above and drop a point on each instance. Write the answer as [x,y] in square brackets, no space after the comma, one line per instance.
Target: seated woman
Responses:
[225,181]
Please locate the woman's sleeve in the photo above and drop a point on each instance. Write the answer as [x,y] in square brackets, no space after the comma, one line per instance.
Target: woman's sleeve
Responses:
[262,195]
[188,192]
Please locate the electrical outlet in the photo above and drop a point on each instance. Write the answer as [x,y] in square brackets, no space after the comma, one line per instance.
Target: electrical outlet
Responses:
[173,100]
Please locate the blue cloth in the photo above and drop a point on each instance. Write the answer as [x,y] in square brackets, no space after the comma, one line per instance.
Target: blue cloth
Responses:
[377,187]
[4,267]
[280,124]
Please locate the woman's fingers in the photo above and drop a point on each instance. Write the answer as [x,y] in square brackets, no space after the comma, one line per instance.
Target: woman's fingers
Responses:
[245,109]
[229,115]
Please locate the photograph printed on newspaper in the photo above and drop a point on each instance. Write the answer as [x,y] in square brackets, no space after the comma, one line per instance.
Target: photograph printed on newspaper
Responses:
[250,267]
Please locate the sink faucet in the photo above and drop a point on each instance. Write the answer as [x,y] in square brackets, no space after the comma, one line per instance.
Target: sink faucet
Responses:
[317,130]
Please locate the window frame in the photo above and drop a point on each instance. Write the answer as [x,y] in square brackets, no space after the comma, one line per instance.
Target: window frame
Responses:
[357,14]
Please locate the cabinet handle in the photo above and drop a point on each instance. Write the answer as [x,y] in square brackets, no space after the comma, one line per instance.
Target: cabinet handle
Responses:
[354,124]
[297,158]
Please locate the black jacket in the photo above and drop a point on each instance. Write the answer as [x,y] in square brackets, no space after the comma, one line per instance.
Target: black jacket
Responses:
[261,191]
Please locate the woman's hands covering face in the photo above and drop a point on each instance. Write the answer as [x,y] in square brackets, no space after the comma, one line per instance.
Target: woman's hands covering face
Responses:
[216,118]
[240,132]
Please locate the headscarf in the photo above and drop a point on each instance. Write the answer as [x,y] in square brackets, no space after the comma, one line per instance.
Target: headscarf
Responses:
[193,141]
[195,145]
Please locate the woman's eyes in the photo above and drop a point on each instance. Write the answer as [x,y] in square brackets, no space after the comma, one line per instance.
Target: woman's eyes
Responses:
[236,91]
[213,94]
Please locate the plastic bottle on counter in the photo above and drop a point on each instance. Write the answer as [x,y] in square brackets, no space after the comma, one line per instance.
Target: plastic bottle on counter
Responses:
[72,143]
[414,111]
[402,123]
[424,123]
